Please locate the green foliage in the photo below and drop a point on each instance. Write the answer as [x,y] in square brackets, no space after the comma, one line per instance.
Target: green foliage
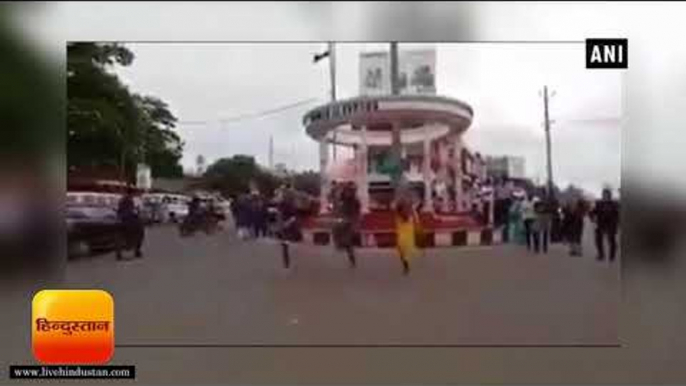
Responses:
[107,124]
[307,182]
[232,176]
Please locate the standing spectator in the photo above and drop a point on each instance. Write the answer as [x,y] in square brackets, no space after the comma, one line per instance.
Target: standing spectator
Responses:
[242,216]
[605,214]
[514,220]
[567,213]
[528,217]
[132,227]
[574,226]
[259,215]
[541,226]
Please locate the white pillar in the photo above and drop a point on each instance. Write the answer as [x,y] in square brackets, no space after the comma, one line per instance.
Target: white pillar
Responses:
[323,177]
[426,171]
[444,175]
[457,166]
[362,172]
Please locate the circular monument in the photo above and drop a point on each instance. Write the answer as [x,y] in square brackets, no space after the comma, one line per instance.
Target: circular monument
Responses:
[431,129]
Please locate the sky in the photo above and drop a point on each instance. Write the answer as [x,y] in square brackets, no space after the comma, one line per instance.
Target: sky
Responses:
[209,84]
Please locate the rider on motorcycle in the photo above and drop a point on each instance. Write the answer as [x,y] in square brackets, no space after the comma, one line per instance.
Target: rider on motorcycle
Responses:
[194,209]
[199,217]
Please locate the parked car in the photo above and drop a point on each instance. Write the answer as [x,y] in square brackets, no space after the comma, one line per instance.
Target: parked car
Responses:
[91,229]
[110,200]
[175,207]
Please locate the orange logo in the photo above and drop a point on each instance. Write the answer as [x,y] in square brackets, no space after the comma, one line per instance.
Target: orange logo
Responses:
[73,326]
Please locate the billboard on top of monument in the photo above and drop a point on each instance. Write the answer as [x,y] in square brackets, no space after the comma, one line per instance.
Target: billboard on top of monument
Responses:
[416,72]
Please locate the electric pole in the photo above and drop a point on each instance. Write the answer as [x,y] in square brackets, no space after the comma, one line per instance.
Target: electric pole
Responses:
[396,149]
[332,73]
[548,142]
[271,152]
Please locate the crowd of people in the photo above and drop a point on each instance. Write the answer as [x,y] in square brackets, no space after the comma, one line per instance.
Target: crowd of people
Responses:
[529,221]
[537,222]
[251,215]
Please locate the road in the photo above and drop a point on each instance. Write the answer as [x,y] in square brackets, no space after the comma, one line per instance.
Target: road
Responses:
[218,290]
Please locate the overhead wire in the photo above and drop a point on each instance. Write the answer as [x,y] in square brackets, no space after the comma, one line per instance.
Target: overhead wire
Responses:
[242,117]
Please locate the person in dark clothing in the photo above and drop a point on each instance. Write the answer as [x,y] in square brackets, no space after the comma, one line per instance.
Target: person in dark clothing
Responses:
[194,209]
[289,227]
[574,226]
[348,210]
[259,214]
[567,213]
[132,227]
[605,214]
[541,226]
[242,216]
[502,209]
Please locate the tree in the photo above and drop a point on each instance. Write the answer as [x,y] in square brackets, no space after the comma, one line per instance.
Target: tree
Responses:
[233,176]
[162,147]
[107,125]
[307,182]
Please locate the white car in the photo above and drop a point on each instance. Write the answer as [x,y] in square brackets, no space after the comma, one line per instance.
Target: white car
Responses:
[172,207]
[175,207]
[98,199]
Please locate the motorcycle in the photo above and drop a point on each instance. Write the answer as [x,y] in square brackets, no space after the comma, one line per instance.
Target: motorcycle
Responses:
[205,221]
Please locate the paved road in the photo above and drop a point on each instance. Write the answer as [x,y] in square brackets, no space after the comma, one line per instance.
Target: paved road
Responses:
[221,290]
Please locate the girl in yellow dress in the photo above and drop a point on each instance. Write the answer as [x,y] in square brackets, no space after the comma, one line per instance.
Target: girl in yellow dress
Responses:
[406,224]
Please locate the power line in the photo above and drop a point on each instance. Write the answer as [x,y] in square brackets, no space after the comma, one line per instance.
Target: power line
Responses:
[260,114]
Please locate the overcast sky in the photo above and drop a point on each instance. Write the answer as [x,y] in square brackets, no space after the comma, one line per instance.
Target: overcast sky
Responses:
[206,83]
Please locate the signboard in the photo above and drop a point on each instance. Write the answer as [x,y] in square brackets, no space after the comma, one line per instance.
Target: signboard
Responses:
[143,177]
[375,73]
[416,72]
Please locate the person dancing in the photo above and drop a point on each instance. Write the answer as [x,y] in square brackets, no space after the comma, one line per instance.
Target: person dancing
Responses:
[289,228]
[348,211]
[406,223]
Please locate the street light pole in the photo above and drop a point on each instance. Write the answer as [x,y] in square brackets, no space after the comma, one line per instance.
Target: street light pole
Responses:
[548,142]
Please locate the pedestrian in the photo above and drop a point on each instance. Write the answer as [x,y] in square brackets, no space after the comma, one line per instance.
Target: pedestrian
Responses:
[528,218]
[348,212]
[605,215]
[567,213]
[288,228]
[242,216]
[574,226]
[259,216]
[133,229]
[514,221]
[541,225]
[407,223]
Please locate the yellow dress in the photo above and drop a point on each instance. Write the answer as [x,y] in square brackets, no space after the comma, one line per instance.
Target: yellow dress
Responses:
[405,229]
